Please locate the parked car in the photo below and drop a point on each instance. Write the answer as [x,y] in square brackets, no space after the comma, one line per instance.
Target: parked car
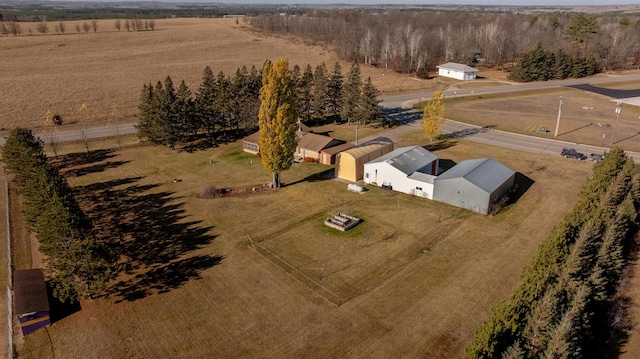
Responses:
[596,157]
[571,153]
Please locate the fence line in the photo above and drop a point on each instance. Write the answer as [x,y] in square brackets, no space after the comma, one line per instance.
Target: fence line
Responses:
[9,324]
[9,276]
[297,274]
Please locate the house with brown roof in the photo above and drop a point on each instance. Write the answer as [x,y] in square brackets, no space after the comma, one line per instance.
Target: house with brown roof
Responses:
[311,145]
[250,144]
[319,148]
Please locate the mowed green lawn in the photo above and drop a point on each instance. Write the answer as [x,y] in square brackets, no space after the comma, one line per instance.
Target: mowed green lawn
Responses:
[413,280]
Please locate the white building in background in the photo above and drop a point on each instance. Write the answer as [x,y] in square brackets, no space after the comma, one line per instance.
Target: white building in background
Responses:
[457,71]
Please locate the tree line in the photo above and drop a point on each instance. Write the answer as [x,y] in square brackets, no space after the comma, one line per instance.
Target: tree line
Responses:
[418,41]
[540,64]
[76,265]
[566,304]
[225,105]
[136,24]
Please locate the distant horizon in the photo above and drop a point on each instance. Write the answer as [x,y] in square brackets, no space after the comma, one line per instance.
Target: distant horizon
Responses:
[535,3]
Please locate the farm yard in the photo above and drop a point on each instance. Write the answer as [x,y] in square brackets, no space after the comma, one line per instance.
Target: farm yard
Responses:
[414,279]
[255,273]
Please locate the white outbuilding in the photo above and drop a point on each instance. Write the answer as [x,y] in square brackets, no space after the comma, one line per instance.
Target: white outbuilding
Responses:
[457,71]
[410,170]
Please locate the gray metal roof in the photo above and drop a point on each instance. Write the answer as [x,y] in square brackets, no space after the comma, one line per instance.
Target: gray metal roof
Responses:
[486,173]
[422,177]
[408,159]
[457,67]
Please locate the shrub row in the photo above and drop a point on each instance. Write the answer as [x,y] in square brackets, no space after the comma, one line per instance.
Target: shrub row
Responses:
[75,264]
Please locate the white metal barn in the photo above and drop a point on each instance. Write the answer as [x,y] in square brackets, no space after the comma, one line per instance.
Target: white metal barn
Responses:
[409,170]
[474,184]
[457,71]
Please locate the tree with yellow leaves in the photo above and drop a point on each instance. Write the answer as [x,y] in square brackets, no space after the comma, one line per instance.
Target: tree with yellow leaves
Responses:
[433,116]
[277,118]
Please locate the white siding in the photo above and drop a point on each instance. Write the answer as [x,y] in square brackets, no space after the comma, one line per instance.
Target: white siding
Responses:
[381,173]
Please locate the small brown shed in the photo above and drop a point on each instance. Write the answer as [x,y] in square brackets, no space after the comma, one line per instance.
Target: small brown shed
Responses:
[31,300]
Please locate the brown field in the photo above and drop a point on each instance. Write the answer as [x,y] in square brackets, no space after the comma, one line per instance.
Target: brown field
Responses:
[414,280]
[107,69]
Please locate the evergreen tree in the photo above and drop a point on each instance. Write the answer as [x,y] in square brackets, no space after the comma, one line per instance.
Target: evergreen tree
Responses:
[544,318]
[334,90]
[351,94]
[370,105]
[561,66]
[582,27]
[148,125]
[578,66]
[223,103]
[304,92]
[514,352]
[320,92]
[168,114]
[277,118]
[187,125]
[567,338]
[205,103]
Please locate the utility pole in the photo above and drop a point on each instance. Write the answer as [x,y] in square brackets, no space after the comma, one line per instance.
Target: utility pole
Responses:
[357,123]
[618,110]
[559,113]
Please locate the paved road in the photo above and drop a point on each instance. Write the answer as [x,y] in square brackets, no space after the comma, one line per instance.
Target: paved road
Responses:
[406,100]
[399,107]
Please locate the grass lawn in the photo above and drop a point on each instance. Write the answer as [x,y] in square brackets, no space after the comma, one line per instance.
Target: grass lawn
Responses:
[413,280]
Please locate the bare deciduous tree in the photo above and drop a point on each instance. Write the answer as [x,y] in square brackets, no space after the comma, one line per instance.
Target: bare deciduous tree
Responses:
[94,25]
[152,24]
[118,25]
[61,27]
[42,27]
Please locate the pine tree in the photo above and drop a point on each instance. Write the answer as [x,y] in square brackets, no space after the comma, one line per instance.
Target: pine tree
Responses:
[223,102]
[304,92]
[185,113]
[168,114]
[147,122]
[320,92]
[334,90]
[370,105]
[561,66]
[544,318]
[205,108]
[351,94]
[277,118]
[433,116]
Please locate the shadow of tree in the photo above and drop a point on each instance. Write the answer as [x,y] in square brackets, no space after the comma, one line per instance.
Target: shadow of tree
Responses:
[440,145]
[164,278]
[77,164]
[400,116]
[150,234]
[59,310]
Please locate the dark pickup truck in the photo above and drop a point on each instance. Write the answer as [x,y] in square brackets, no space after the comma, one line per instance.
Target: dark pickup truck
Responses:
[571,153]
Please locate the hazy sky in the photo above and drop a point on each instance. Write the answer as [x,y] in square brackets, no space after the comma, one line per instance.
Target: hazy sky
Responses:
[421,2]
